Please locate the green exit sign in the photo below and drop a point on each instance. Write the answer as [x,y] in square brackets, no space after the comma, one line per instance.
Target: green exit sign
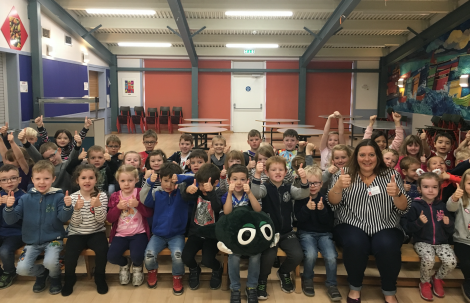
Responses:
[249,51]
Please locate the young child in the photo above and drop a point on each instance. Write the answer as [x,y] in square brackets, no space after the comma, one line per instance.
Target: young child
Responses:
[408,166]
[113,144]
[180,157]
[330,139]
[290,138]
[197,158]
[44,212]
[216,152]
[32,137]
[63,170]
[281,213]
[87,228]
[390,157]
[461,156]
[340,155]
[254,140]
[150,140]
[381,138]
[262,155]
[443,144]
[232,157]
[96,157]
[132,158]
[10,235]
[448,180]
[239,195]
[458,203]
[63,138]
[169,221]
[130,229]
[206,209]
[465,144]
[314,228]
[414,146]
[429,222]
[153,164]
[297,162]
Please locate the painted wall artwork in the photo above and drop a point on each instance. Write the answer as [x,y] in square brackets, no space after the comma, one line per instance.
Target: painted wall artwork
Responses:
[129,87]
[428,81]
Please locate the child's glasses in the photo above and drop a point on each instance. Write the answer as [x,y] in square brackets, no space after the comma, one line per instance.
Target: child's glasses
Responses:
[315,184]
[149,142]
[12,179]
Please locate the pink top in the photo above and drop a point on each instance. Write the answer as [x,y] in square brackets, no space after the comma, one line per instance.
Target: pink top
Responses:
[396,144]
[325,158]
[130,221]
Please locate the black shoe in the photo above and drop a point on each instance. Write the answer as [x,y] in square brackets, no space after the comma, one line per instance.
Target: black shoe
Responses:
[261,291]
[307,287]
[6,279]
[333,293]
[235,296]
[194,274]
[101,285]
[251,295]
[69,282]
[41,281]
[286,282]
[56,286]
[277,263]
[216,279]
[466,290]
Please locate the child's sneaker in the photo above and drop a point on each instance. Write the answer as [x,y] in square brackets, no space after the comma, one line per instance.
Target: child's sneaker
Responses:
[178,285]
[438,287]
[466,290]
[41,281]
[216,279]
[286,282]
[235,296]
[137,275]
[124,274]
[251,295]
[69,282]
[425,291]
[56,286]
[152,278]
[307,287]
[262,294]
[334,293]
[6,280]
[194,274]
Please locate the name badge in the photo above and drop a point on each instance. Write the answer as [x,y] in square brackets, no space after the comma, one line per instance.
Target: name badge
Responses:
[373,191]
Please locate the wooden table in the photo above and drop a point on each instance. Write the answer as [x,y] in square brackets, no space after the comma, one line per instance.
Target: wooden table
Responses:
[205,120]
[278,121]
[277,126]
[203,125]
[383,125]
[201,133]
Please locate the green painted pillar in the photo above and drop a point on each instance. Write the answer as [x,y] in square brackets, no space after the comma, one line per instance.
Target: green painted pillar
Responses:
[34,15]
[382,97]
[113,93]
[194,92]
[302,94]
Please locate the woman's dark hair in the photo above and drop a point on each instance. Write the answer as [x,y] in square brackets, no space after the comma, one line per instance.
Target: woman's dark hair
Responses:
[353,164]
[157,152]
[78,171]
[376,134]
[63,131]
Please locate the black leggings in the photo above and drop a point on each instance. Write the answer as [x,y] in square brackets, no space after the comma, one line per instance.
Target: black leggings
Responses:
[209,252]
[385,245]
[462,251]
[77,243]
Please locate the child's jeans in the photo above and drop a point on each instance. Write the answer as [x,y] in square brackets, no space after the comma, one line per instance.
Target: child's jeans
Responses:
[234,271]
[313,242]
[157,244]
[427,253]
[136,244]
[8,246]
[26,266]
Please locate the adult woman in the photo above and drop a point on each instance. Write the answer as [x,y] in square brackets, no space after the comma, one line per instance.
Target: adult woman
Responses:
[368,199]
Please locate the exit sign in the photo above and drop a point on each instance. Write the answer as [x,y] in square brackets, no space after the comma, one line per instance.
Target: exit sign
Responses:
[249,51]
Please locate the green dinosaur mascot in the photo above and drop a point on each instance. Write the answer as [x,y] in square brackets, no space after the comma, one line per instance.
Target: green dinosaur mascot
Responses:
[242,232]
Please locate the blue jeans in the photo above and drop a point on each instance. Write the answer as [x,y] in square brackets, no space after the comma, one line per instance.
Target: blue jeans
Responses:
[26,266]
[157,244]
[8,246]
[234,271]
[313,242]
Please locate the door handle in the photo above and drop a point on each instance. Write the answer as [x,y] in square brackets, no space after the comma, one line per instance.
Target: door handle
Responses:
[235,107]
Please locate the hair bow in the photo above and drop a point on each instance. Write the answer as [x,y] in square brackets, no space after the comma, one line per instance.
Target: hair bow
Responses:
[419,171]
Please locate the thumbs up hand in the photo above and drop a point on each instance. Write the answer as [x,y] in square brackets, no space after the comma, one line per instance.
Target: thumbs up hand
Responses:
[95,202]
[302,174]
[22,136]
[311,205]
[231,188]
[320,205]
[333,169]
[251,164]
[122,203]
[223,172]
[10,201]
[423,135]
[208,187]
[446,220]
[309,149]
[211,151]
[302,145]
[423,218]
[192,189]
[153,176]
[227,149]
[107,156]
[148,173]
[133,202]
[82,155]
[10,138]
[457,194]
[246,187]
[88,123]
[344,180]
[67,199]
[77,139]
[4,129]
[79,204]
[392,187]
[259,170]
[39,122]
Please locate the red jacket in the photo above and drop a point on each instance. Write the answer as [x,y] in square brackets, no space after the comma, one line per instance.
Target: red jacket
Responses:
[453,179]
[114,213]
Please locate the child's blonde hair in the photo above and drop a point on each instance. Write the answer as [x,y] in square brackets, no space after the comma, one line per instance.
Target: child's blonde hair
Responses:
[390,150]
[274,160]
[430,175]
[410,140]
[407,161]
[43,165]
[340,147]
[128,169]
[234,155]
[31,132]
[314,170]
[465,196]
[135,153]
[219,138]
[95,149]
[462,154]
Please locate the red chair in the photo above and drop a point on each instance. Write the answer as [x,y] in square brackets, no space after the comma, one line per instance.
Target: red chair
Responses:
[124,119]
[138,118]
[165,118]
[177,116]
[152,118]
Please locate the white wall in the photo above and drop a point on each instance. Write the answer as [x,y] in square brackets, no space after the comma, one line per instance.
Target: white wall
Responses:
[367,85]
[22,9]
[136,99]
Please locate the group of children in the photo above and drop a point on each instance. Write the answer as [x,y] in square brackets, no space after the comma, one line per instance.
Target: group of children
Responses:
[154,202]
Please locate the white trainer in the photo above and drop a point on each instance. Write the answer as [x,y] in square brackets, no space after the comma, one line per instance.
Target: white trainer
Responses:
[124,274]
[137,275]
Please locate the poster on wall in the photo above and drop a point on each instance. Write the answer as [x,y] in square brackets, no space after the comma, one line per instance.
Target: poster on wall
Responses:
[14,31]
[129,87]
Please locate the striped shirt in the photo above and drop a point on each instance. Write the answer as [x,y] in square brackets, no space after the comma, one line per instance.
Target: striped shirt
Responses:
[369,213]
[88,220]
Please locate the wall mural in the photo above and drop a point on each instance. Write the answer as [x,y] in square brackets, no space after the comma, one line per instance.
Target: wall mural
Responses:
[428,81]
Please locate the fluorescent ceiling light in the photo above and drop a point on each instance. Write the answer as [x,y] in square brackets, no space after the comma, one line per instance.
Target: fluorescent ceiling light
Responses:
[121,11]
[252,46]
[259,13]
[464,80]
[144,44]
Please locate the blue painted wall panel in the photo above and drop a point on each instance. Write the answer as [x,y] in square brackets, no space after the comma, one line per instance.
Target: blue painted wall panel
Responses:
[26,98]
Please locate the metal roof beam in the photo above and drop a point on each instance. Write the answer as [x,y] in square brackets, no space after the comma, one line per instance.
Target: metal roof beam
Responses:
[328,30]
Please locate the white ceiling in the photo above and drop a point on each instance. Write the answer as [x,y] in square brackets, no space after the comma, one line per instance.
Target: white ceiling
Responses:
[370,30]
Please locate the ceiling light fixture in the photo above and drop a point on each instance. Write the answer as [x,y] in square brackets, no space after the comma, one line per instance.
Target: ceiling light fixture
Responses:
[463,81]
[251,46]
[259,13]
[121,11]
[144,44]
